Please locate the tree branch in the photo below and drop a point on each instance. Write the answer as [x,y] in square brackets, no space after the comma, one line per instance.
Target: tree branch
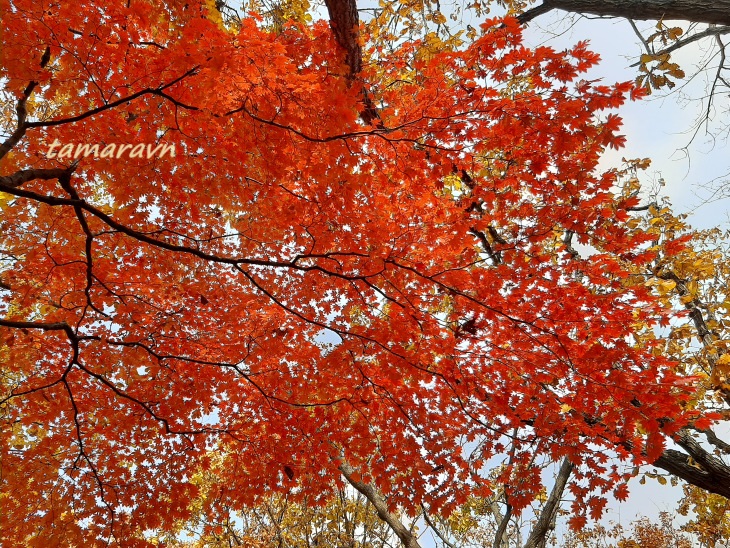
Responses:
[712,31]
[535,12]
[503,523]
[436,530]
[699,11]
[21,113]
[408,539]
[546,519]
[19,177]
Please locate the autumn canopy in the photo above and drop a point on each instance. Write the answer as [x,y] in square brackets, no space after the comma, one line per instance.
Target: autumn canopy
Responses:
[373,272]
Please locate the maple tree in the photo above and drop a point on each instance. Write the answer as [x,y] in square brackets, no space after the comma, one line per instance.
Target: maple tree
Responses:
[360,272]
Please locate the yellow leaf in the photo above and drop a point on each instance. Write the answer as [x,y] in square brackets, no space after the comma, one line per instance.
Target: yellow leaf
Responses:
[646,58]
[665,286]
[674,33]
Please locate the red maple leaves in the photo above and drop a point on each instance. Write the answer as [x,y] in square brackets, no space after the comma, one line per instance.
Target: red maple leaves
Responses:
[294,287]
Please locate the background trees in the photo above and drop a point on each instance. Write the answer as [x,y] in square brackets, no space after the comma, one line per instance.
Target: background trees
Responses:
[349,272]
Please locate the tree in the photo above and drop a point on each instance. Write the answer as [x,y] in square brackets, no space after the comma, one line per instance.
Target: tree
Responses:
[340,273]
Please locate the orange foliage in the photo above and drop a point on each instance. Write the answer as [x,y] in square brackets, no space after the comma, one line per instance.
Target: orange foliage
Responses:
[295,287]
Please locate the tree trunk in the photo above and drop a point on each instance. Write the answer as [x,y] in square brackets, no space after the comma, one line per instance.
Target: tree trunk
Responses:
[699,11]
[345,24]
[547,517]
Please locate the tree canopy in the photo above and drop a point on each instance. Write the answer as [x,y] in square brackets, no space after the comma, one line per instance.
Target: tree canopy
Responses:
[253,257]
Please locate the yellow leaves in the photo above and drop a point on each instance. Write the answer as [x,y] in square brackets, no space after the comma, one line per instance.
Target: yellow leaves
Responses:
[437,17]
[24,437]
[674,33]
[721,373]
[213,13]
[453,185]
[462,521]
[5,199]
[652,79]
[710,514]
[665,33]
[432,45]
[646,58]
[542,496]
[665,286]
[661,479]
[286,11]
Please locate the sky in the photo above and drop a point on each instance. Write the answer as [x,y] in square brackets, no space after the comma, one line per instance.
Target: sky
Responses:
[659,127]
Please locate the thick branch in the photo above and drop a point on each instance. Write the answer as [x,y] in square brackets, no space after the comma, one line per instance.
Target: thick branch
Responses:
[699,11]
[679,464]
[499,539]
[717,442]
[19,177]
[712,464]
[45,326]
[408,539]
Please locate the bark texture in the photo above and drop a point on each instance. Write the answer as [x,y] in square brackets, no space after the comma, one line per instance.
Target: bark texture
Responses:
[546,521]
[345,23]
[698,466]
[699,11]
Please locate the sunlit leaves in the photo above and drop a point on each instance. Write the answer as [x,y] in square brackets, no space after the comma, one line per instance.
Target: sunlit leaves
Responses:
[297,287]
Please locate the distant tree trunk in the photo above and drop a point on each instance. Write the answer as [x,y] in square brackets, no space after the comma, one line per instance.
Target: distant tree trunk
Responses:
[699,11]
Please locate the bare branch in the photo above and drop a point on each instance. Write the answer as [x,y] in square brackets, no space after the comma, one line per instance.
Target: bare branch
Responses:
[711,31]
[641,37]
[435,529]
